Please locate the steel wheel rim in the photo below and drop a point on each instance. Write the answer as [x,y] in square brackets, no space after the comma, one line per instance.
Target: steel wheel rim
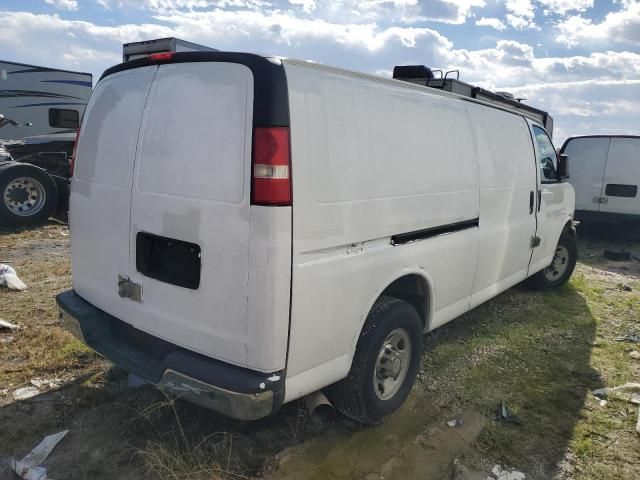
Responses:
[24,196]
[392,364]
[559,264]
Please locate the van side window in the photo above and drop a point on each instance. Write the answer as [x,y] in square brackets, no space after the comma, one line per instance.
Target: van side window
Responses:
[63,118]
[546,156]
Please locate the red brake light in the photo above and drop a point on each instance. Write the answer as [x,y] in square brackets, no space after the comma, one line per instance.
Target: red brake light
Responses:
[271,166]
[161,57]
[72,162]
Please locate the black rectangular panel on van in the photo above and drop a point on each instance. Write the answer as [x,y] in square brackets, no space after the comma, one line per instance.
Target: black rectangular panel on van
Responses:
[172,261]
[617,190]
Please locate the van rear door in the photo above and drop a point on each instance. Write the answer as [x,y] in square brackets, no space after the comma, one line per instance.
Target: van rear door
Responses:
[100,198]
[587,156]
[622,177]
[160,203]
[189,237]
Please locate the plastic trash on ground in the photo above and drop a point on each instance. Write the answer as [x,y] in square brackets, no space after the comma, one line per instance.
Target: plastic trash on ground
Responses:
[29,468]
[25,392]
[9,278]
[8,326]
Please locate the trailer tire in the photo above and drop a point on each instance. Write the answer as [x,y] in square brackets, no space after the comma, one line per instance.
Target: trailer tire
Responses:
[391,338]
[561,269]
[29,195]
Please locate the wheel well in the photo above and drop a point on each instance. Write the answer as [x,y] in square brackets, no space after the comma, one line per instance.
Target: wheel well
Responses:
[414,290]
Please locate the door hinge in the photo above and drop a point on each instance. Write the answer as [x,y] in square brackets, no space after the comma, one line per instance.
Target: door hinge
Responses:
[535,241]
[129,289]
[600,199]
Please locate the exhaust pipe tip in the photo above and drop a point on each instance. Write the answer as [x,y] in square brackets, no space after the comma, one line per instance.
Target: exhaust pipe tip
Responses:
[321,412]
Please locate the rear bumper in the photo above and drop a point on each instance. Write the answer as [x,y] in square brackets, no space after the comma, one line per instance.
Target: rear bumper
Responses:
[233,391]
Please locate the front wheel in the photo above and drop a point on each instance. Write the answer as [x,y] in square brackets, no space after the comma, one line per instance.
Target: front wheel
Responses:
[562,266]
[385,364]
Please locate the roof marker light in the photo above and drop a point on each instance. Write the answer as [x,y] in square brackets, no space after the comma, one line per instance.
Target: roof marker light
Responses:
[161,57]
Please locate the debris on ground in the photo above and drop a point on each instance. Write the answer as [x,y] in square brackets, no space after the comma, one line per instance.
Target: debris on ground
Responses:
[42,382]
[635,355]
[455,422]
[7,339]
[629,337]
[4,325]
[500,473]
[625,288]
[505,414]
[462,472]
[29,468]
[25,392]
[9,278]
[603,403]
[620,256]
[629,392]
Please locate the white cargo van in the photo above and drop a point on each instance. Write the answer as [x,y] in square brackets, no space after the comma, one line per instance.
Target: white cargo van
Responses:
[606,176]
[249,230]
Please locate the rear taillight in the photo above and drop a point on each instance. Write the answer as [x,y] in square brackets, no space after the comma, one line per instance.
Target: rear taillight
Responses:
[72,162]
[271,183]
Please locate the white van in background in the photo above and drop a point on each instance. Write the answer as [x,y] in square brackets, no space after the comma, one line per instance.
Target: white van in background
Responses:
[249,230]
[606,176]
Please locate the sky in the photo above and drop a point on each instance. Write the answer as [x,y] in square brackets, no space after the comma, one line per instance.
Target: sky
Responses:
[577,59]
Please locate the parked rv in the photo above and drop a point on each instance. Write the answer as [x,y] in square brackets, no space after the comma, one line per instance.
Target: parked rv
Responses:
[606,176]
[41,100]
[250,230]
[40,111]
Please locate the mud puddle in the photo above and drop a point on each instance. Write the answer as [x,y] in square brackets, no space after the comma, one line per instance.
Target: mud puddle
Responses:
[414,443]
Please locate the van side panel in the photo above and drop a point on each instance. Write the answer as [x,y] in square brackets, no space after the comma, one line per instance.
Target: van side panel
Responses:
[370,161]
[587,160]
[507,180]
[621,185]
[269,288]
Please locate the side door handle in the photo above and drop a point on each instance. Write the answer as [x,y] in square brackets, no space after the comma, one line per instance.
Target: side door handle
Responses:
[539,199]
[531,202]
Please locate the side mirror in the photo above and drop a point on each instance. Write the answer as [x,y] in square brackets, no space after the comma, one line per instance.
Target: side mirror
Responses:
[563,167]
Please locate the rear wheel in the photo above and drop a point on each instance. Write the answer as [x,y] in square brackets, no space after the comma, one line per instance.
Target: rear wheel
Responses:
[385,364]
[29,195]
[562,265]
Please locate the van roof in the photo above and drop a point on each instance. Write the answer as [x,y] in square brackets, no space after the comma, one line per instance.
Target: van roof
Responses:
[268,74]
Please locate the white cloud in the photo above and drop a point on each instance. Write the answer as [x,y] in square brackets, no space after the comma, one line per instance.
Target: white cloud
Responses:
[621,26]
[563,85]
[307,5]
[562,7]
[491,22]
[521,14]
[63,4]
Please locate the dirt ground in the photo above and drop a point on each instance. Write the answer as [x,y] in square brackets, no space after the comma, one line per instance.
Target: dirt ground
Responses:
[541,354]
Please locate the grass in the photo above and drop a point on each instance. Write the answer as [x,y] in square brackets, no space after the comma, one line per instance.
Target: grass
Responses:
[541,352]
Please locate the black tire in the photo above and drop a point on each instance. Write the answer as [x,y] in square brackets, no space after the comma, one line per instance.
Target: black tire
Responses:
[355,396]
[47,190]
[541,280]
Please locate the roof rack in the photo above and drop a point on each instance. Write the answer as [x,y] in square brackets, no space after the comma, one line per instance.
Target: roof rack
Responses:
[422,75]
